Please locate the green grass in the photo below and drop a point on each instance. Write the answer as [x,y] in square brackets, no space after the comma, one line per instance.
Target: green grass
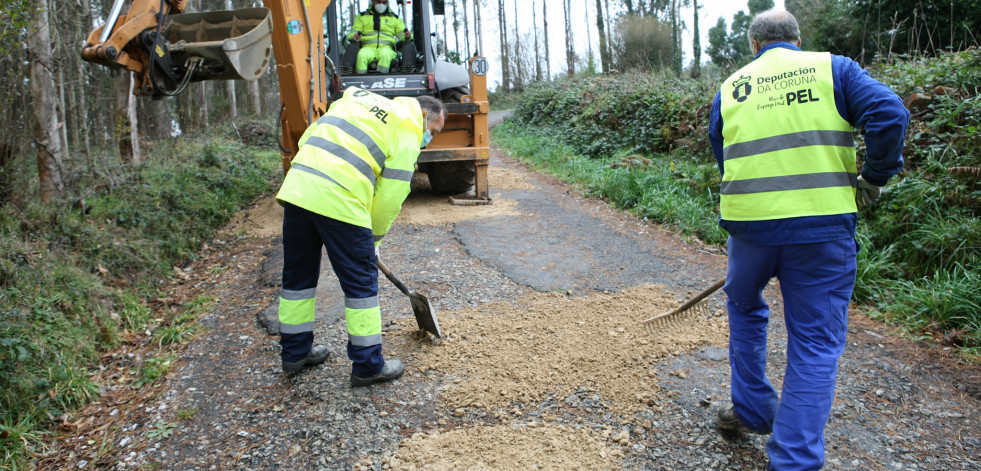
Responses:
[187,414]
[74,281]
[182,327]
[154,368]
[945,306]
[19,437]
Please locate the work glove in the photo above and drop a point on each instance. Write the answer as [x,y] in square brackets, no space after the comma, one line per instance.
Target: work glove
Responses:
[356,37]
[377,253]
[866,194]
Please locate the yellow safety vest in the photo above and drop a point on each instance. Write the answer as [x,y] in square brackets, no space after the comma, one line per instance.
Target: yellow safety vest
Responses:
[786,150]
[386,34]
[355,163]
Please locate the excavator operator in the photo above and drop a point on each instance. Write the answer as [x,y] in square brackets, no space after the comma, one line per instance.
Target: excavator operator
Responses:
[378,30]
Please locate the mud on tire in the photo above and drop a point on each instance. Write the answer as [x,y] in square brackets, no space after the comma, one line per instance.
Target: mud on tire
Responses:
[450,178]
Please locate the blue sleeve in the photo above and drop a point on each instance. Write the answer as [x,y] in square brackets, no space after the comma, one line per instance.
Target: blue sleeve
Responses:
[871,105]
[715,129]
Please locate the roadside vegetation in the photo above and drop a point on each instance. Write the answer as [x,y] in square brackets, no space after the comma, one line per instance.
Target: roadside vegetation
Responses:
[640,142]
[77,277]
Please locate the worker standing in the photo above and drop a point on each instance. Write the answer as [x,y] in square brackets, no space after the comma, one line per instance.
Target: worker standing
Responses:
[344,189]
[781,130]
[378,30]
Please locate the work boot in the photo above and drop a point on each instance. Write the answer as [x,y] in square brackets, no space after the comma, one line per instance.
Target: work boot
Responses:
[318,354]
[728,420]
[393,369]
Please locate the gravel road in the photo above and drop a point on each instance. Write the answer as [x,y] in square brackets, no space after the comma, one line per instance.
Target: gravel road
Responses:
[225,404]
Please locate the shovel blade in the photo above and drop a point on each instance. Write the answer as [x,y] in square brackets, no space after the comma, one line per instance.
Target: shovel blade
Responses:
[425,317]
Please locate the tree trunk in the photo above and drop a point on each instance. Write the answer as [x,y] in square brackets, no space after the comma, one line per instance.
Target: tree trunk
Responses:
[518,72]
[232,103]
[456,27]
[675,39]
[534,30]
[630,7]
[590,60]
[505,49]
[478,30]
[696,66]
[155,121]
[46,141]
[446,44]
[570,51]
[466,32]
[601,30]
[609,32]
[127,130]
[71,113]
[548,61]
[255,98]
[84,127]
[63,114]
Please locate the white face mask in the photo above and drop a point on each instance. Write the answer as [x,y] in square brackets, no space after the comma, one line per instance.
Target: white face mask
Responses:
[381,7]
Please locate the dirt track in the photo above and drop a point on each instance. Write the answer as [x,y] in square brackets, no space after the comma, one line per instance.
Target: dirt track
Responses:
[545,366]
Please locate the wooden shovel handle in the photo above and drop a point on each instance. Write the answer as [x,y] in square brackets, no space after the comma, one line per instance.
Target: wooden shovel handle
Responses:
[395,281]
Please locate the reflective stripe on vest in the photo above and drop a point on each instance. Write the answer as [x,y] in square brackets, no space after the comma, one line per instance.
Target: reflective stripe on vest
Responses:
[379,38]
[345,155]
[787,152]
[348,147]
[358,134]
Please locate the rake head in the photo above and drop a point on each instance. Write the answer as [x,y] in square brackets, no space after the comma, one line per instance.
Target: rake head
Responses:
[675,318]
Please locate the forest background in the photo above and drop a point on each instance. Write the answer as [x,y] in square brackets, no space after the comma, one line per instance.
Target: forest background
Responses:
[105,195]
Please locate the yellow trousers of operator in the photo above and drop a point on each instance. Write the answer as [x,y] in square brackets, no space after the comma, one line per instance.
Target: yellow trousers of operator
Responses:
[385,54]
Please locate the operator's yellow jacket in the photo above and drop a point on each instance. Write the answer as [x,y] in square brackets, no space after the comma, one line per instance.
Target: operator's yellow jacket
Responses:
[378,29]
[356,162]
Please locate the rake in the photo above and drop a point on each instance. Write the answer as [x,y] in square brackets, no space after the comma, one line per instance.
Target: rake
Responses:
[690,309]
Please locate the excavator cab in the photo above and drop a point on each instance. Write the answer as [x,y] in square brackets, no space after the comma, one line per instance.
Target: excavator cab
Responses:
[410,71]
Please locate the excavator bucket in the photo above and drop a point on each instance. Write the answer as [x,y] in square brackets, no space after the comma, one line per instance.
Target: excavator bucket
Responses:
[235,44]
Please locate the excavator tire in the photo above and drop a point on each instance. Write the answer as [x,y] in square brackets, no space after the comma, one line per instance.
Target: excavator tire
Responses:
[451,178]
[454,95]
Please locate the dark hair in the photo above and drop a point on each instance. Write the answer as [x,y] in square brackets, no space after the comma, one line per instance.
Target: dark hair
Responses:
[432,107]
[773,25]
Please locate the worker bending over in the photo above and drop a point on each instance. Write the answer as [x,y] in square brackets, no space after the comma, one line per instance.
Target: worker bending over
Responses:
[781,130]
[378,30]
[344,189]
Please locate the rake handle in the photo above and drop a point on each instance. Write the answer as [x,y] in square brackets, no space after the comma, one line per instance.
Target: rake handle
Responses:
[700,296]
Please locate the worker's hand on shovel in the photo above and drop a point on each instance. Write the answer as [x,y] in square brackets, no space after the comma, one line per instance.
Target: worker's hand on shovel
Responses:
[377,253]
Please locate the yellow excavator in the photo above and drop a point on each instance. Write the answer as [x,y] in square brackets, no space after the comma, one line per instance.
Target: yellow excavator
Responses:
[166,49]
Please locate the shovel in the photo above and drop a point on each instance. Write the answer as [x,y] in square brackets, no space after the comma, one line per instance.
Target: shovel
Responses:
[421,306]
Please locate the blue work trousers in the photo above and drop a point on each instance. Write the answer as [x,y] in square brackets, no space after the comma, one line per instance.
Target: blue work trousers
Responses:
[351,251]
[816,281]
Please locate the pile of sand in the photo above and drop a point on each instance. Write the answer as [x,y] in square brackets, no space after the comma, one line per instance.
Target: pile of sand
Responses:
[527,446]
[263,219]
[549,344]
[505,179]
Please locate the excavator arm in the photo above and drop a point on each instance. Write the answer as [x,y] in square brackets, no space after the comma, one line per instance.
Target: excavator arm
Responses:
[166,49]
